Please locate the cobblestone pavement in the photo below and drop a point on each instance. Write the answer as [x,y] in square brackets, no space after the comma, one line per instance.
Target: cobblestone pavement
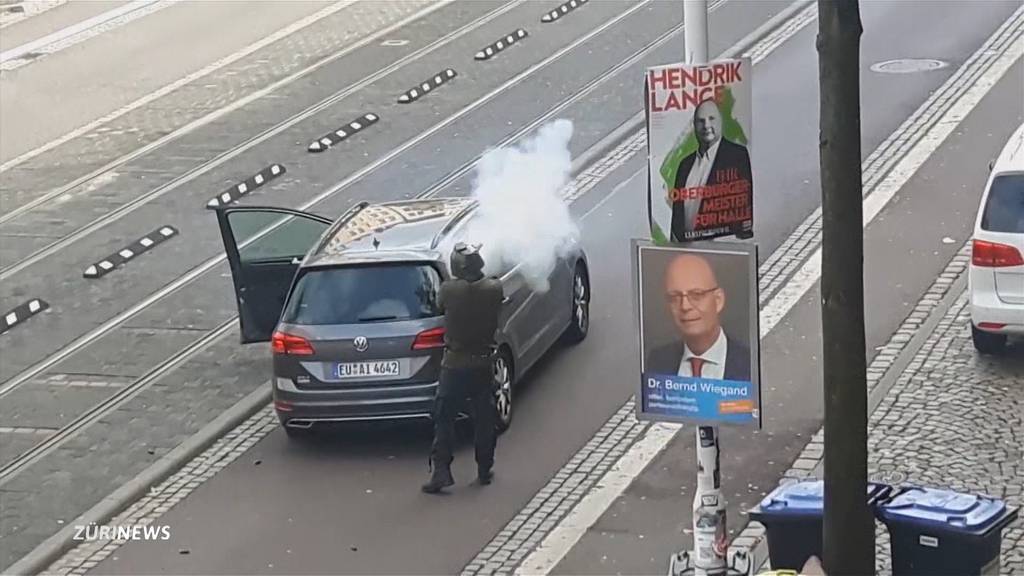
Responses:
[952,418]
[955,419]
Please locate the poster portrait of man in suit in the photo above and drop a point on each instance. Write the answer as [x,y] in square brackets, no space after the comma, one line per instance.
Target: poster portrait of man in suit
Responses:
[694,301]
[697,310]
[716,162]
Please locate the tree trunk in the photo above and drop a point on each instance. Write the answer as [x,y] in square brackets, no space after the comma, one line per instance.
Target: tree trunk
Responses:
[849,526]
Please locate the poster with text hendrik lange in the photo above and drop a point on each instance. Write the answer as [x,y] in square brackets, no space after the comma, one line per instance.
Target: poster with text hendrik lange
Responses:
[699,148]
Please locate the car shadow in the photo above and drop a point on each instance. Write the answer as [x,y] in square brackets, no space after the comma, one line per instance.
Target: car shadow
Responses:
[398,439]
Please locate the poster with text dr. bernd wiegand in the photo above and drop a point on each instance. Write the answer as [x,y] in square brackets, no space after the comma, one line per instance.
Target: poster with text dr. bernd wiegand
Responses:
[699,333]
[699,150]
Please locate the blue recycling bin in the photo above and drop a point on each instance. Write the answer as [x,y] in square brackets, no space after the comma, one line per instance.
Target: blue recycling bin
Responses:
[792,516]
[939,532]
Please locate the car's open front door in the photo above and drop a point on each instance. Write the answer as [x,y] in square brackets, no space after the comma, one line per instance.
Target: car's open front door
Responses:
[264,247]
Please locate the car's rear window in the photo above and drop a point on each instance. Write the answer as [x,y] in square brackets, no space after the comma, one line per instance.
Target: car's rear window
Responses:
[356,294]
[1004,211]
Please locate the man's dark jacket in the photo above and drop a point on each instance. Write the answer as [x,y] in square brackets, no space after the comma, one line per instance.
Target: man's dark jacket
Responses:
[471,312]
[665,360]
[730,155]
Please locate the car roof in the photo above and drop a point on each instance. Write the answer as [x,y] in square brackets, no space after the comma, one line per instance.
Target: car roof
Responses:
[1011,159]
[392,231]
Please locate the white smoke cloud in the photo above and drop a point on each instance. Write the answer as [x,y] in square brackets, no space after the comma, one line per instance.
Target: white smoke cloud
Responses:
[522,218]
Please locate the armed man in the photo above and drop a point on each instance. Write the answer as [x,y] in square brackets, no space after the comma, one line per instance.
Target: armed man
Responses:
[471,304]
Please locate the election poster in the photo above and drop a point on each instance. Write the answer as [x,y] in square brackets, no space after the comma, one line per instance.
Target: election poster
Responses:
[700,184]
[697,310]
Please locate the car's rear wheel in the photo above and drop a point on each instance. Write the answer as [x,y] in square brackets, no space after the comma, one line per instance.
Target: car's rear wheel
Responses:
[579,325]
[504,379]
[987,342]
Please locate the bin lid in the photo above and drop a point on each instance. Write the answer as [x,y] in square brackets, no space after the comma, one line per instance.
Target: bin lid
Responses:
[943,507]
[796,498]
[804,497]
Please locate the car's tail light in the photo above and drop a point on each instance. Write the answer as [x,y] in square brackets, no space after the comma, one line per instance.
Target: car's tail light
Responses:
[995,255]
[991,325]
[282,406]
[283,343]
[433,338]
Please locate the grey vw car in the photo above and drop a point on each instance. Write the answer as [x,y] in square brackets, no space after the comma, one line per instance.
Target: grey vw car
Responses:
[349,306]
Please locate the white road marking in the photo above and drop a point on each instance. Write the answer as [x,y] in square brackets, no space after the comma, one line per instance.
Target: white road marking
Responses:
[79,32]
[570,529]
[24,430]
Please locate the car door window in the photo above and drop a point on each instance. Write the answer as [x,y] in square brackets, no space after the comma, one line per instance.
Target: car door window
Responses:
[264,246]
[288,237]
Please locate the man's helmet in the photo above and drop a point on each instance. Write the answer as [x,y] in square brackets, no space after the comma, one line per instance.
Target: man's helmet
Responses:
[466,262]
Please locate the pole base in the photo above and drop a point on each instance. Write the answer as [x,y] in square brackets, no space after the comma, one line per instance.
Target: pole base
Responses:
[681,564]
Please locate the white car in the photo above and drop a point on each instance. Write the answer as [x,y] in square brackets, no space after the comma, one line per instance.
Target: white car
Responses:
[996,278]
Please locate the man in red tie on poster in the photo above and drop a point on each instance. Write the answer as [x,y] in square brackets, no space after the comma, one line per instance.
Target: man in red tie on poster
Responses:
[695,302]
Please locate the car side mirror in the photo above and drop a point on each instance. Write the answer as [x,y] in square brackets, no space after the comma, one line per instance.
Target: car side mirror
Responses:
[991,165]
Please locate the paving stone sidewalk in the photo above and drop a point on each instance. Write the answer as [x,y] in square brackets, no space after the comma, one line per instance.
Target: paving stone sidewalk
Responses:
[955,419]
[951,419]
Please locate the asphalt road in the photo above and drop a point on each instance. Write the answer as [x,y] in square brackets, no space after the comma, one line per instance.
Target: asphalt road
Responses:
[350,502]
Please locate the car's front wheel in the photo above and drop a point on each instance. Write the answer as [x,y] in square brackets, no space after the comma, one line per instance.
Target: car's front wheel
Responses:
[579,325]
[987,342]
[503,383]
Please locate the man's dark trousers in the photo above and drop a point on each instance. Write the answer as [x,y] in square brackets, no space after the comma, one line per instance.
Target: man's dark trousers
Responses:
[456,386]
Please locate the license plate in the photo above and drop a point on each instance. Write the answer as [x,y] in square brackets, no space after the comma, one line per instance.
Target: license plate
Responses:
[367,369]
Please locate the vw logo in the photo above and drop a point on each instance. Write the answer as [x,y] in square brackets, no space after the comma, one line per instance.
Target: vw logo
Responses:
[361,344]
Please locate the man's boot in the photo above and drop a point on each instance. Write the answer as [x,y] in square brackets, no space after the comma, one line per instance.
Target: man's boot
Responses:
[440,478]
[485,475]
